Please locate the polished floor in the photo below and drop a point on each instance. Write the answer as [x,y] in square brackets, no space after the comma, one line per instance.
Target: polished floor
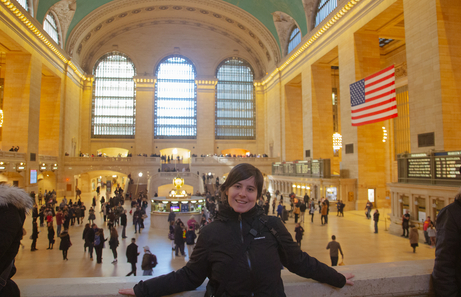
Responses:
[353,231]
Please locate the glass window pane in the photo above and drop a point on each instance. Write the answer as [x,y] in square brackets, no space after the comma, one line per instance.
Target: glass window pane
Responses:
[295,39]
[114,104]
[51,27]
[324,9]
[24,3]
[175,104]
[235,108]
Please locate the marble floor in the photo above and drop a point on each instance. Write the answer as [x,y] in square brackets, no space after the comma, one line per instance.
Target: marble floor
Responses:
[353,231]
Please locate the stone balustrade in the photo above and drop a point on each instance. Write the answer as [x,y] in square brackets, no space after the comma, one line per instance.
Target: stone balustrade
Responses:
[409,278]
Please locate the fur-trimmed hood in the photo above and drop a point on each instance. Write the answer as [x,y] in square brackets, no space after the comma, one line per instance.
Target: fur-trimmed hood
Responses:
[15,196]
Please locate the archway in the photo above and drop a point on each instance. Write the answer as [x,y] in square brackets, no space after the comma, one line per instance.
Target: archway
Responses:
[236,152]
[182,153]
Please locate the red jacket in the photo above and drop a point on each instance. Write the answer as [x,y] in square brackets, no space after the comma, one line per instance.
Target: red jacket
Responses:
[58,218]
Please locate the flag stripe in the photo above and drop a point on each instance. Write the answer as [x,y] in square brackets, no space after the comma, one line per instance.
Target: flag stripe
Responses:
[373,98]
[391,116]
[367,105]
[370,78]
[375,111]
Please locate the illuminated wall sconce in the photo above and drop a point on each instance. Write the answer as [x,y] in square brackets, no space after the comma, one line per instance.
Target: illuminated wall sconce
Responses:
[42,167]
[1,118]
[55,167]
[303,187]
[434,205]
[298,186]
[294,186]
[384,134]
[20,167]
[416,202]
[337,141]
[400,200]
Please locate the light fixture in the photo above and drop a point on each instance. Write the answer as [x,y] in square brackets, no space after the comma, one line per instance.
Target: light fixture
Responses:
[140,174]
[1,118]
[400,200]
[298,186]
[434,205]
[294,186]
[114,175]
[175,151]
[337,141]
[303,187]
[384,134]
[416,202]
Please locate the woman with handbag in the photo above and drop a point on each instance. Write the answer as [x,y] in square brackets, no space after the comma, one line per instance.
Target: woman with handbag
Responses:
[233,250]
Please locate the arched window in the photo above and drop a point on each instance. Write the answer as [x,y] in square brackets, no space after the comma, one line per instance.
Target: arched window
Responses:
[235,104]
[51,27]
[175,111]
[324,9]
[295,39]
[25,4]
[114,105]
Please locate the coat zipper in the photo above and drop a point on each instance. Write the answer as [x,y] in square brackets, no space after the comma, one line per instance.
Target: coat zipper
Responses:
[243,242]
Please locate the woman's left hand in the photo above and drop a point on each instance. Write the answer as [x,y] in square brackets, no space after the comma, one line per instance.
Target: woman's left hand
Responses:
[348,276]
[126,292]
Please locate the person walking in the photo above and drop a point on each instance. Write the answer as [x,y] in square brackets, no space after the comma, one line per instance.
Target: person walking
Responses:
[88,236]
[59,221]
[113,243]
[368,208]
[299,231]
[324,212]
[132,256]
[334,247]
[432,234]
[427,223]
[302,209]
[99,244]
[190,240]
[179,238]
[312,210]
[50,236]
[91,215]
[123,223]
[376,219]
[149,261]
[34,236]
[280,210]
[414,237]
[65,243]
[405,223]
[296,212]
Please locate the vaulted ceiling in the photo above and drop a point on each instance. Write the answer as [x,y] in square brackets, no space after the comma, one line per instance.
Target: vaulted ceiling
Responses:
[91,28]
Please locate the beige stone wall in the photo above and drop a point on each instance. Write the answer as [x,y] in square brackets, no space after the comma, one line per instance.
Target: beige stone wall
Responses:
[50,107]
[293,122]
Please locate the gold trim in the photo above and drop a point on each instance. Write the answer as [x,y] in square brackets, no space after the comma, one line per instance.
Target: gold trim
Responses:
[39,34]
[322,30]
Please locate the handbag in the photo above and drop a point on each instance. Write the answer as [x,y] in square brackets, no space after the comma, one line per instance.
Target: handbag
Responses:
[170,236]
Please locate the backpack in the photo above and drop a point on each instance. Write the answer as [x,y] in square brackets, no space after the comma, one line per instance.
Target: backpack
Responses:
[153,260]
[97,240]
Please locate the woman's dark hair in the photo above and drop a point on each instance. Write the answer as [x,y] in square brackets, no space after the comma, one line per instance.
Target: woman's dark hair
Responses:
[241,172]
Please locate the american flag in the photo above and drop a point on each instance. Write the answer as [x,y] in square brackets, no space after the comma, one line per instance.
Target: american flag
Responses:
[373,98]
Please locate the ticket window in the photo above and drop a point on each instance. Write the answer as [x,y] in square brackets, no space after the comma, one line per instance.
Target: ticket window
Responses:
[331,193]
[421,209]
[437,207]
[160,206]
[404,204]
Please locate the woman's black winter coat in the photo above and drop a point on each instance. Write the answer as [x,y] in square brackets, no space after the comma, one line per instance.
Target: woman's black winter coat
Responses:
[256,271]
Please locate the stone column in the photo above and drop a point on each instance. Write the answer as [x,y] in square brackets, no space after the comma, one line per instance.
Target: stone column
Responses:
[145,88]
[260,119]
[206,90]
[434,75]
[85,118]
[21,109]
[322,112]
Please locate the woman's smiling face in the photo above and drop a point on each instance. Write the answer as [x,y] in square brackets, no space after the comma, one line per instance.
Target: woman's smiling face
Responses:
[242,195]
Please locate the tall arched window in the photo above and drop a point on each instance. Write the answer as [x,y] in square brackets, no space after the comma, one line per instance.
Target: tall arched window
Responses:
[295,39]
[324,9]
[51,27]
[175,112]
[235,104]
[114,104]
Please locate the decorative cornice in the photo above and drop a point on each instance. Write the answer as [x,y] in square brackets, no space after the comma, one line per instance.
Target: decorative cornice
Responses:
[185,22]
[272,49]
[206,85]
[23,18]
[311,40]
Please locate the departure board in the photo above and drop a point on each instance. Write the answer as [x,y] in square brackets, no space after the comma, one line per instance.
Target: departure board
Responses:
[447,166]
[419,168]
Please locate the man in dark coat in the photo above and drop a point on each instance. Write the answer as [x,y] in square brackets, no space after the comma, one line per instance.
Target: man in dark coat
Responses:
[123,223]
[14,204]
[446,275]
[132,256]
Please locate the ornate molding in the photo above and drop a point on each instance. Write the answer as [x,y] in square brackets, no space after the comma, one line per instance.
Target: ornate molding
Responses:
[145,83]
[65,10]
[401,70]
[272,49]
[206,85]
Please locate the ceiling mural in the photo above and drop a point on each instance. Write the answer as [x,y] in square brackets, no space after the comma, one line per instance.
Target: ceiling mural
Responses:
[260,9]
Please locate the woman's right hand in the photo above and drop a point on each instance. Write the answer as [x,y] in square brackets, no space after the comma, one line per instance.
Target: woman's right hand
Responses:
[126,292]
